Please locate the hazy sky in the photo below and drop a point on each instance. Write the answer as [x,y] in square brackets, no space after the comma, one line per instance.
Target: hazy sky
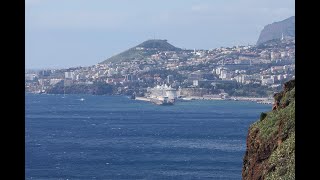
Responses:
[69,33]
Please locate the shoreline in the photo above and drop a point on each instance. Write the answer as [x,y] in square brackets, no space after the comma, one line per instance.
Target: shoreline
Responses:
[260,100]
[263,100]
[191,98]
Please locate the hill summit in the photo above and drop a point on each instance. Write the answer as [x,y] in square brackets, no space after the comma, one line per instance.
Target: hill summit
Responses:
[143,50]
[159,44]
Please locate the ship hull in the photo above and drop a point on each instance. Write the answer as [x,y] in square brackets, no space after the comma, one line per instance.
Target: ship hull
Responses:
[160,102]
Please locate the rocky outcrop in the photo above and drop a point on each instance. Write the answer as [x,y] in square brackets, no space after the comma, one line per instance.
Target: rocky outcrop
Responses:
[277,29]
[288,86]
[270,152]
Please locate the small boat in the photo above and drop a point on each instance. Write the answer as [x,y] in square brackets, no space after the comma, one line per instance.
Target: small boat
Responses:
[82,99]
[133,96]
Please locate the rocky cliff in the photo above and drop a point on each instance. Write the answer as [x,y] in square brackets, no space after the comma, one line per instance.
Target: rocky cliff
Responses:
[277,29]
[270,152]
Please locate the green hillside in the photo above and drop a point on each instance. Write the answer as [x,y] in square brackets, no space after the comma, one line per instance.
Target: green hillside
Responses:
[143,50]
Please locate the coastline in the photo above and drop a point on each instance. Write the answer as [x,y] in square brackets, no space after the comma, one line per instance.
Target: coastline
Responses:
[260,100]
[264,100]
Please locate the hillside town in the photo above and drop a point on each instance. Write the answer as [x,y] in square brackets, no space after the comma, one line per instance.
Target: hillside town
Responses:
[251,71]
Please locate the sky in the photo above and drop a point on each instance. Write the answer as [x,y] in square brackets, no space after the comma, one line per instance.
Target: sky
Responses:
[73,33]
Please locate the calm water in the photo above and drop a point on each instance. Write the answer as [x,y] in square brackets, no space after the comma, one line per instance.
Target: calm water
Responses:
[113,137]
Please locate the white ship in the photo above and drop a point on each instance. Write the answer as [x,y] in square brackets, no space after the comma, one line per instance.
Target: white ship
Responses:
[162,95]
[162,101]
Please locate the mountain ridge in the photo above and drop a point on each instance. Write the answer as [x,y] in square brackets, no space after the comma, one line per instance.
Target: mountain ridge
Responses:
[275,30]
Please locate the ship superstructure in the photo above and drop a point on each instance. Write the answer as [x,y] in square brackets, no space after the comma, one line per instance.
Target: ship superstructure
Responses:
[162,94]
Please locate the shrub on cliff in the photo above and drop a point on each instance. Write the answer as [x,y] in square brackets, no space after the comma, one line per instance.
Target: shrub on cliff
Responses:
[262,116]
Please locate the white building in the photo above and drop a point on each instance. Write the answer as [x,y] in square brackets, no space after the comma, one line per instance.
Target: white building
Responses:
[275,55]
[54,81]
[170,79]
[274,77]
[284,54]
[200,53]
[224,74]
[111,72]
[267,81]
[280,77]
[276,69]
[285,68]
[30,77]
[238,78]
[218,70]
[195,83]
[69,75]
[80,77]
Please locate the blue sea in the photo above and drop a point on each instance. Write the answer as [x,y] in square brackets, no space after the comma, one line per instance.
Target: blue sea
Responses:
[114,137]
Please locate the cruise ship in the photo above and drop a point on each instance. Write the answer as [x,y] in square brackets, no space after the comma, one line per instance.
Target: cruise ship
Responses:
[162,95]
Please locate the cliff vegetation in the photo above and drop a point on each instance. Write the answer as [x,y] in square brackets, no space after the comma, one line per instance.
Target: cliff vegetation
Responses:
[270,150]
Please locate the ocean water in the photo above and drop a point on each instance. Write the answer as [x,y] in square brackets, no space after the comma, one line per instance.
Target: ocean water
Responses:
[114,137]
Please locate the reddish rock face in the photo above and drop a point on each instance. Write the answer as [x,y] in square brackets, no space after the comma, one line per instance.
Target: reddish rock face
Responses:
[254,164]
